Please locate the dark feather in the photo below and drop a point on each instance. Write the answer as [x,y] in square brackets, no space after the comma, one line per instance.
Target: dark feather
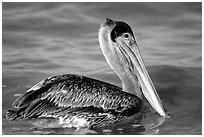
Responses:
[69,95]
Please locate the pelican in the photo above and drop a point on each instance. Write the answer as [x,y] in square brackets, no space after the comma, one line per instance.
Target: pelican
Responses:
[71,100]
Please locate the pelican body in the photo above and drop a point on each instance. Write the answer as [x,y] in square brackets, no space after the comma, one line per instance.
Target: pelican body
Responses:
[70,100]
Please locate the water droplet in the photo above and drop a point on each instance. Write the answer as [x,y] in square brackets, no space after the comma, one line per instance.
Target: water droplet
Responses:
[4,86]
[107,130]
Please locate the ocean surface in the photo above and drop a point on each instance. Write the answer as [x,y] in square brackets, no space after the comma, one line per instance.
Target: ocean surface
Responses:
[44,39]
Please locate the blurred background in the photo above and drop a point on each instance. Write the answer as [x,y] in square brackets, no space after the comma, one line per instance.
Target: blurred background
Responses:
[44,39]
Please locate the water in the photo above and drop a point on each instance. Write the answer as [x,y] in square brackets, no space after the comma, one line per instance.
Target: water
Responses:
[44,39]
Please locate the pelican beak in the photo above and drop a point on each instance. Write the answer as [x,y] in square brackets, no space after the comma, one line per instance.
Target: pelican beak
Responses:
[139,69]
[124,57]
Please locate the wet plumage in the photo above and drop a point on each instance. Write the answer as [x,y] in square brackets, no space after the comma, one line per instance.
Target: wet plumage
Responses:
[71,95]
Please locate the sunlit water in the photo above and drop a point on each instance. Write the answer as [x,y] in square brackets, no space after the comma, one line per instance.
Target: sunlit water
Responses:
[44,39]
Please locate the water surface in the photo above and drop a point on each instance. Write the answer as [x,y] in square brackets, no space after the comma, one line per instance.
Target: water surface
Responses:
[44,39]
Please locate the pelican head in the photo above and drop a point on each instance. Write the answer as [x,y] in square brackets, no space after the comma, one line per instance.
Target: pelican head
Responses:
[121,51]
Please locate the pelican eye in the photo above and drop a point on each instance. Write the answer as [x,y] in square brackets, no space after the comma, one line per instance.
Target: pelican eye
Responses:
[126,35]
[121,29]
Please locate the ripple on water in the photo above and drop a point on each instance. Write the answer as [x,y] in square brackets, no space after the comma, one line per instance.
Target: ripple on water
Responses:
[44,39]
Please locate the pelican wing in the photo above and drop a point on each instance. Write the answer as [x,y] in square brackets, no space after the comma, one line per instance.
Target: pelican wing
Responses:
[73,93]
